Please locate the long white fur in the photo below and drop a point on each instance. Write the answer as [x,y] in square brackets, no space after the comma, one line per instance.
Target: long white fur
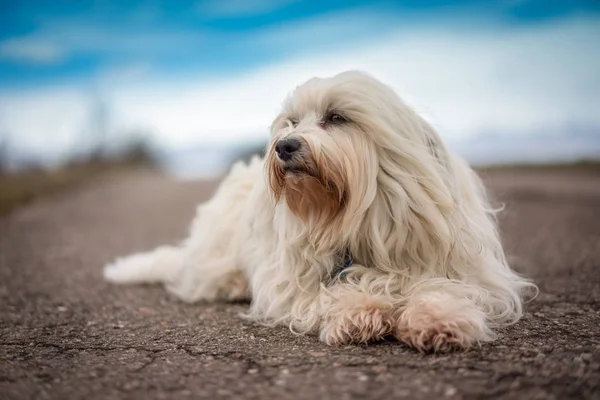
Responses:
[429,265]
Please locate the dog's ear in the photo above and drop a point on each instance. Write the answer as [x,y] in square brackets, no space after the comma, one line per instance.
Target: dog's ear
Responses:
[422,154]
[411,222]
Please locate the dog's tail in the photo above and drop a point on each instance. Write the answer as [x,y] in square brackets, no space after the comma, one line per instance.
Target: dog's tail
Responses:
[157,266]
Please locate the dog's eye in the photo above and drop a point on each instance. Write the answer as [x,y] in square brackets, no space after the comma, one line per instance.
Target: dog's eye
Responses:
[293,122]
[334,118]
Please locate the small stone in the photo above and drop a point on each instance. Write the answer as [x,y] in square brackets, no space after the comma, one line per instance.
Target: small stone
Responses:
[449,392]
[379,369]
[131,385]
[253,371]
[62,308]
[147,310]
[363,378]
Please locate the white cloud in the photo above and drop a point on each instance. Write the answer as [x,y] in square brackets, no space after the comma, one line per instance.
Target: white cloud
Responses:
[506,81]
[31,50]
[502,81]
[45,123]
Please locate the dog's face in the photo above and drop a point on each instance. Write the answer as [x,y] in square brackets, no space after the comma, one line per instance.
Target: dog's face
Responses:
[324,154]
[360,167]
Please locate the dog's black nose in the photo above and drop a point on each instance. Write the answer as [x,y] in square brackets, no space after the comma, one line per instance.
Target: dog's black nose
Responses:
[285,148]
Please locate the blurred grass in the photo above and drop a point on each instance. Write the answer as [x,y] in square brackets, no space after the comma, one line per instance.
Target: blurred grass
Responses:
[24,185]
[583,166]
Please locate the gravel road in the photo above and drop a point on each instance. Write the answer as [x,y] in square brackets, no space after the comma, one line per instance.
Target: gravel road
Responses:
[66,334]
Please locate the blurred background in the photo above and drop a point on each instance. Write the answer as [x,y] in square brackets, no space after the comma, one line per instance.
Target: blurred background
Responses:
[190,86]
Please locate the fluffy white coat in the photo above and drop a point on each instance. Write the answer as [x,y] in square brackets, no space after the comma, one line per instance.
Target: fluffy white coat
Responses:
[373,180]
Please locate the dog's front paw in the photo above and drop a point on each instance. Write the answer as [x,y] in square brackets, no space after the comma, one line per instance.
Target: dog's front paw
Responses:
[427,335]
[362,324]
[441,326]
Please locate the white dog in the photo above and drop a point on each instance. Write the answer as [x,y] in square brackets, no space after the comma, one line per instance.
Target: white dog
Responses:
[359,224]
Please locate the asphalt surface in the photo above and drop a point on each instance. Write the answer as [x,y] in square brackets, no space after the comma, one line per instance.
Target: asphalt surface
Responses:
[66,334]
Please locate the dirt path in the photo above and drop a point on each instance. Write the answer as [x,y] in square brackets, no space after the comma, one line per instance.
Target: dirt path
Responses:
[66,334]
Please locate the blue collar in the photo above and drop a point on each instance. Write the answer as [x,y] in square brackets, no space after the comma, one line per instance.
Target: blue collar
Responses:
[341,270]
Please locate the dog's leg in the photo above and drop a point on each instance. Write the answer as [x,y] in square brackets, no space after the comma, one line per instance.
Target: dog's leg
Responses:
[353,316]
[210,279]
[440,319]
[159,265]
[189,278]
[434,318]
[205,265]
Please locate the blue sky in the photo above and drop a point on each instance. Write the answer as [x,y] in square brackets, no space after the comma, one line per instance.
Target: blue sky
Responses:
[46,41]
[190,72]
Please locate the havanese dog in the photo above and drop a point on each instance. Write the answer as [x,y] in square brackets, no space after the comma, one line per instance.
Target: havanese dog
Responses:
[358,225]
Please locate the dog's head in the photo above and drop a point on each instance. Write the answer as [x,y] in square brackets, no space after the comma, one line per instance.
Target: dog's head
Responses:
[339,142]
